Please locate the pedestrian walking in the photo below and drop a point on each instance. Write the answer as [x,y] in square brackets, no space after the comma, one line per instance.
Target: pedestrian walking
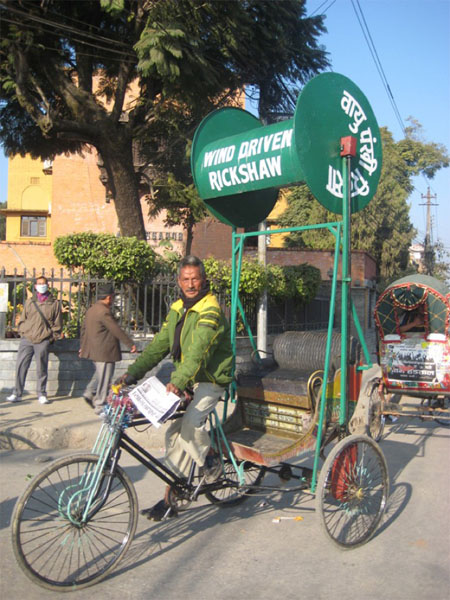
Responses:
[39,326]
[100,342]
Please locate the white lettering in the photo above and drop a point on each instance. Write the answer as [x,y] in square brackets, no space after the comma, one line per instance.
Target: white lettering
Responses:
[351,108]
[213,181]
[267,139]
[366,151]
[348,104]
[335,183]
[209,157]
[246,172]
[243,172]
[287,138]
[277,141]
[243,149]
[252,171]
[360,187]
[219,156]
[226,182]
[233,176]
[274,164]
[263,170]
[252,149]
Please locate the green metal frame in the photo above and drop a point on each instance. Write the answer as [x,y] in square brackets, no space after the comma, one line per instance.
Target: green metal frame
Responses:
[341,232]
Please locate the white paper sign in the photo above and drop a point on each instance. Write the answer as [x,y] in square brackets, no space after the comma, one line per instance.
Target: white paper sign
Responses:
[152,400]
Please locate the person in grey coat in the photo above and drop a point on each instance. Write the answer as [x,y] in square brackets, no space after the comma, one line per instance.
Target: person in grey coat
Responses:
[100,342]
[40,324]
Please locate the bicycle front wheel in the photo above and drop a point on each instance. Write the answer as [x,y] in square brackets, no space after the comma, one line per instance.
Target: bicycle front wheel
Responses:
[58,541]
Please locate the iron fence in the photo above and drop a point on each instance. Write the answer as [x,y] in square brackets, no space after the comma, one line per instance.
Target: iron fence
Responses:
[139,307]
[142,307]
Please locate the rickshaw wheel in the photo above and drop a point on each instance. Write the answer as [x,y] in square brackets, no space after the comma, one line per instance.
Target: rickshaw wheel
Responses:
[235,494]
[376,418]
[352,491]
[440,408]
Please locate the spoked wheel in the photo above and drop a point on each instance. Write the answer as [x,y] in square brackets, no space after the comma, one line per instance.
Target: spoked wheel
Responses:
[440,409]
[55,543]
[232,494]
[376,418]
[352,491]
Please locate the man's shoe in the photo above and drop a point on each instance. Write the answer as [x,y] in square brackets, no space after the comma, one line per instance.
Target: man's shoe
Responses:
[43,400]
[99,409]
[13,398]
[160,511]
[212,469]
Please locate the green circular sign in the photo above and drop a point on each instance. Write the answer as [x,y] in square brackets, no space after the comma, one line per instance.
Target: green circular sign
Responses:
[243,207]
[329,108]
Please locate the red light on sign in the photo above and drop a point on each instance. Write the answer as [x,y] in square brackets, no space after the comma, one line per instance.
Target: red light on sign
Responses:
[348,146]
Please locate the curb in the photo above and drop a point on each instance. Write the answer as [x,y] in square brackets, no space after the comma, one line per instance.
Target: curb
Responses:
[64,423]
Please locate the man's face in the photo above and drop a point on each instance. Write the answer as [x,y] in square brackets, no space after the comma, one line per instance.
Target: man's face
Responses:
[190,281]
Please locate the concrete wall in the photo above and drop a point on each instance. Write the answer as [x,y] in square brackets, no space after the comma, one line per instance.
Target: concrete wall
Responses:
[68,374]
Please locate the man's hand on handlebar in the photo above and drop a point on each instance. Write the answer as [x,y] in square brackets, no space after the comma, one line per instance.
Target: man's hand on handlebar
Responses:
[170,387]
[185,395]
[125,379]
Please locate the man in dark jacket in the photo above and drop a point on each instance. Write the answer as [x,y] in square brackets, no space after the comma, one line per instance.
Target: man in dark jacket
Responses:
[40,325]
[100,342]
[197,335]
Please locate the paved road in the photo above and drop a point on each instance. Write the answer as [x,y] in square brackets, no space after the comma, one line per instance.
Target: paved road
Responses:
[239,553]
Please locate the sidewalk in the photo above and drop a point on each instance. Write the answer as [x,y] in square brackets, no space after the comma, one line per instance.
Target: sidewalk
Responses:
[66,422]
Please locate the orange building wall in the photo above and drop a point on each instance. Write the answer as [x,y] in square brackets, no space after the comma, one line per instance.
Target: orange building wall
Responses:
[75,200]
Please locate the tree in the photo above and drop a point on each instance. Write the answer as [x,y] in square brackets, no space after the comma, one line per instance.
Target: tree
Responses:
[383,228]
[106,256]
[130,76]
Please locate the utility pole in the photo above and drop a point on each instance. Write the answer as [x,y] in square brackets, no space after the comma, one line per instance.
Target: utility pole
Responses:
[262,304]
[428,246]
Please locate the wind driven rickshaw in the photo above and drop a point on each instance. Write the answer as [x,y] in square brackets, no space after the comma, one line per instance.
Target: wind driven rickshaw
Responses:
[412,319]
[76,519]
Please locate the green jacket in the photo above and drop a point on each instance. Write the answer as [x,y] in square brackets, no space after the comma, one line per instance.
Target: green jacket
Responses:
[206,354]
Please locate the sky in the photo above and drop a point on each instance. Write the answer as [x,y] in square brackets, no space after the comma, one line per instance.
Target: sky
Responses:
[411,39]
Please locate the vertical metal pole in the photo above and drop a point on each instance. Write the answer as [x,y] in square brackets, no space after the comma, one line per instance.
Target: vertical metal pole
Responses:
[234,283]
[262,304]
[346,288]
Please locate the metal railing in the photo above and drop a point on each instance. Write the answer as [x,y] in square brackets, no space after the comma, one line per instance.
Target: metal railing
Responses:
[141,308]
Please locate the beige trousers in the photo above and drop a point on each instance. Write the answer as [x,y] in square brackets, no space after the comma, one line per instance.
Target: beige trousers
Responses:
[187,438]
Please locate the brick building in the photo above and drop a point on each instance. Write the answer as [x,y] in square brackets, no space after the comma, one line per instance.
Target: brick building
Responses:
[47,200]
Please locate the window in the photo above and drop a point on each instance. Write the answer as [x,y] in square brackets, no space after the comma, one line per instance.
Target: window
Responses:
[33,227]
[34,180]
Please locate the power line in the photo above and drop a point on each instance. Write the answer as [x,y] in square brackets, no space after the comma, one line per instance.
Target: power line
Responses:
[57,29]
[373,51]
[63,27]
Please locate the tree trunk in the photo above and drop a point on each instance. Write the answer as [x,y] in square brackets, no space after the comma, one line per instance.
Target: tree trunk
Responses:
[118,160]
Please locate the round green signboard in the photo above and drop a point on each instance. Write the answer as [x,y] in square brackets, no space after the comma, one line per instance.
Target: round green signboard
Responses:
[238,164]
[214,157]
[329,108]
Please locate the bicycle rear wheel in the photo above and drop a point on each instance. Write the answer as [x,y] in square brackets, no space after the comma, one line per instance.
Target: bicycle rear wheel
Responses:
[55,543]
[232,494]
[352,491]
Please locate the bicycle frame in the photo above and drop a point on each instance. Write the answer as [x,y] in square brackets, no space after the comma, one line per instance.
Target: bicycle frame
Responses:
[109,444]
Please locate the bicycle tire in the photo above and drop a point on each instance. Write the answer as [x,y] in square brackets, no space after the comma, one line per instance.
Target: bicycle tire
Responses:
[57,553]
[352,491]
[377,419]
[232,495]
